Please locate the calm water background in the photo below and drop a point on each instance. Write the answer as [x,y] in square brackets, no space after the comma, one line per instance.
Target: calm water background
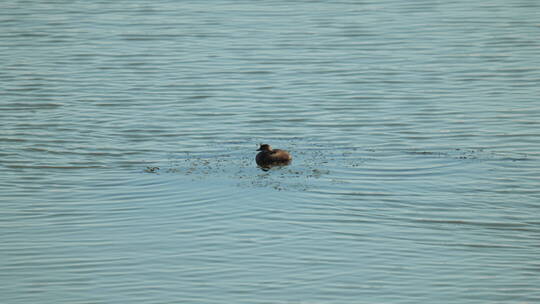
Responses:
[414,126]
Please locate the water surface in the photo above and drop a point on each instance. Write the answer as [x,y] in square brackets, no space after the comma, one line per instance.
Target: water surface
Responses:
[414,128]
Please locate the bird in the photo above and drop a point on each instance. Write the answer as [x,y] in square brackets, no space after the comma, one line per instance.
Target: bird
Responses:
[269,157]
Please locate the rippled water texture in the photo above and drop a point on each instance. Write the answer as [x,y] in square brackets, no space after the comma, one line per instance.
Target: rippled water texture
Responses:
[129,130]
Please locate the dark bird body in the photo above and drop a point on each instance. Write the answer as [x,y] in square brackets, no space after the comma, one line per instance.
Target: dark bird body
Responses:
[269,157]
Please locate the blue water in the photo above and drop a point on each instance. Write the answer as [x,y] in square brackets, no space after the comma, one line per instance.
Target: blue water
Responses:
[129,130]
